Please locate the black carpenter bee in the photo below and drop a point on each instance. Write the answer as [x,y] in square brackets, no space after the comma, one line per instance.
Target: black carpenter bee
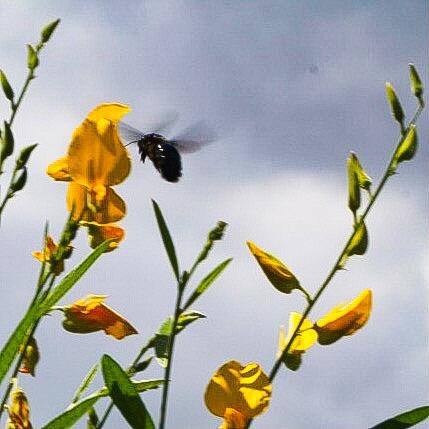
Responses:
[165,153]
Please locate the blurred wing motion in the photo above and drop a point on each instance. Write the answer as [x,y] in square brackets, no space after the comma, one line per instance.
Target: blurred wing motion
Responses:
[163,152]
[130,134]
[194,137]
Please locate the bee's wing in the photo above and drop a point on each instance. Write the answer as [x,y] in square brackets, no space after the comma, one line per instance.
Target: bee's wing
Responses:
[194,137]
[131,135]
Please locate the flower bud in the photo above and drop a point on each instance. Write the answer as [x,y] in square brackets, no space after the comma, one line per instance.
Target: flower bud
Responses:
[48,30]
[7,143]
[32,58]
[7,89]
[354,189]
[395,105]
[359,243]
[363,179]
[20,181]
[31,357]
[408,147]
[24,156]
[279,275]
[415,81]
[19,410]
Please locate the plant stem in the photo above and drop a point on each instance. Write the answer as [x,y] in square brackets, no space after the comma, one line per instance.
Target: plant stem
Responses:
[177,311]
[336,266]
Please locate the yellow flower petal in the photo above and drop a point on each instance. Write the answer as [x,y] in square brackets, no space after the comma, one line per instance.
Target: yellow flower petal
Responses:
[111,111]
[99,233]
[90,314]
[86,207]
[245,389]
[344,320]
[59,169]
[306,337]
[280,276]
[96,154]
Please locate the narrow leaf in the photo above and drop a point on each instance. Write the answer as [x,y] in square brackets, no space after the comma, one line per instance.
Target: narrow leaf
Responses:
[85,383]
[125,395]
[69,417]
[167,240]
[405,420]
[206,283]
[10,349]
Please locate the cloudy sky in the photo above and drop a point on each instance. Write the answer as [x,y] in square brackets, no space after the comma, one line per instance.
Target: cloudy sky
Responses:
[290,88]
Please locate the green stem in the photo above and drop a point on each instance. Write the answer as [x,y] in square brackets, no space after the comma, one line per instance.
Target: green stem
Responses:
[336,266]
[170,349]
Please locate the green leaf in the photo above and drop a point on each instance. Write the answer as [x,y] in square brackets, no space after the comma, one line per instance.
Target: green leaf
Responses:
[125,395]
[206,282]
[10,349]
[48,30]
[167,240]
[144,385]
[85,383]
[160,342]
[405,420]
[69,417]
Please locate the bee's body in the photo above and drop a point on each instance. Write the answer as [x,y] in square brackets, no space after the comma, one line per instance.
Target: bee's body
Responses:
[163,155]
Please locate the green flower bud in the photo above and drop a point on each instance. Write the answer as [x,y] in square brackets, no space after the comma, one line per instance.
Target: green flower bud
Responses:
[7,89]
[32,58]
[359,243]
[363,179]
[20,182]
[415,81]
[354,189]
[408,147]
[8,142]
[24,156]
[48,30]
[395,105]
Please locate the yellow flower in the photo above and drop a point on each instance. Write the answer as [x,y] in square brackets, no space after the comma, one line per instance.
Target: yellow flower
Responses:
[89,314]
[305,338]
[280,276]
[95,161]
[48,255]
[99,233]
[19,410]
[344,320]
[238,393]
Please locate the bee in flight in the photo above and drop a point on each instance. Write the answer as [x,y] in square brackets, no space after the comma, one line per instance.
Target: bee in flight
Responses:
[165,153]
